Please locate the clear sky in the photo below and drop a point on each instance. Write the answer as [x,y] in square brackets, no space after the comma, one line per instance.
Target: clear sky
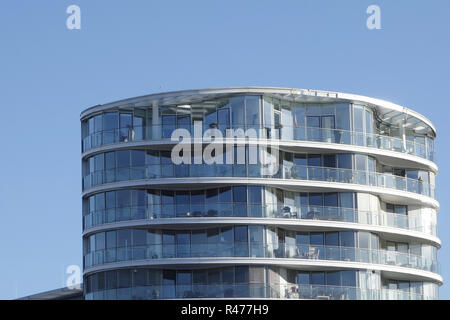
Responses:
[49,74]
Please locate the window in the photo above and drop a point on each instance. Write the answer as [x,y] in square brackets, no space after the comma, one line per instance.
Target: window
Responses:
[254,194]
[198,197]
[316,199]
[168,237]
[184,278]
[110,200]
[361,164]
[302,238]
[226,234]
[200,277]
[139,237]
[123,158]
[228,275]
[124,238]
[303,278]
[124,278]
[348,278]
[100,241]
[111,280]
[110,239]
[396,208]
[240,234]
[331,199]
[139,277]
[199,236]
[182,197]
[241,274]
[152,157]
[237,110]
[212,195]
[213,235]
[137,158]
[300,159]
[99,162]
[344,161]
[169,277]
[225,194]
[316,238]
[110,160]
[123,198]
[252,110]
[332,239]
[346,200]
[347,238]
[364,240]
[256,274]
[111,121]
[167,197]
[317,278]
[183,238]
[314,160]
[329,161]
[240,194]
[333,278]
[256,234]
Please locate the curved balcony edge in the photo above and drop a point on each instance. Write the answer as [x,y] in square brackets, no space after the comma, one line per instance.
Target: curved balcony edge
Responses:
[311,224]
[416,274]
[292,145]
[295,184]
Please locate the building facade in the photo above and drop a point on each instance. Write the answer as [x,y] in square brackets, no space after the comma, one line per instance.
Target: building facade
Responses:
[309,195]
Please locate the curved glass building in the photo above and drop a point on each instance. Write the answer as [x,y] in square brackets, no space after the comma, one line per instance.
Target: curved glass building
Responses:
[253,192]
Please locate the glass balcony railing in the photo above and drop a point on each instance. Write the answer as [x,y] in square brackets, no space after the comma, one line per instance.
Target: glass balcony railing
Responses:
[259,250]
[295,172]
[168,211]
[410,145]
[274,291]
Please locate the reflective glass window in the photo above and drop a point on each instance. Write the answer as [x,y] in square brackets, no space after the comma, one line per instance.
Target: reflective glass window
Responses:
[332,239]
[317,278]
[316,238]
[124,278]
[348,278]
[123,158]
[347,238]
[344,161]
[240,234]
[252,110]
[316,199]
[240,194]
[314,160]
[333,278]
[331,199]
[110,120]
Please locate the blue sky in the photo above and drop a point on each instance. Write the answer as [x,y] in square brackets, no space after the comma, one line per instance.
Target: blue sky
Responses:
[49,74]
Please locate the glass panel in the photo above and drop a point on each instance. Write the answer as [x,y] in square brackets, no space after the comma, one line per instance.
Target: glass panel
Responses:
[252,110]
[316,238]
[333,278]
[318,278]
[332,239]
[348,278]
